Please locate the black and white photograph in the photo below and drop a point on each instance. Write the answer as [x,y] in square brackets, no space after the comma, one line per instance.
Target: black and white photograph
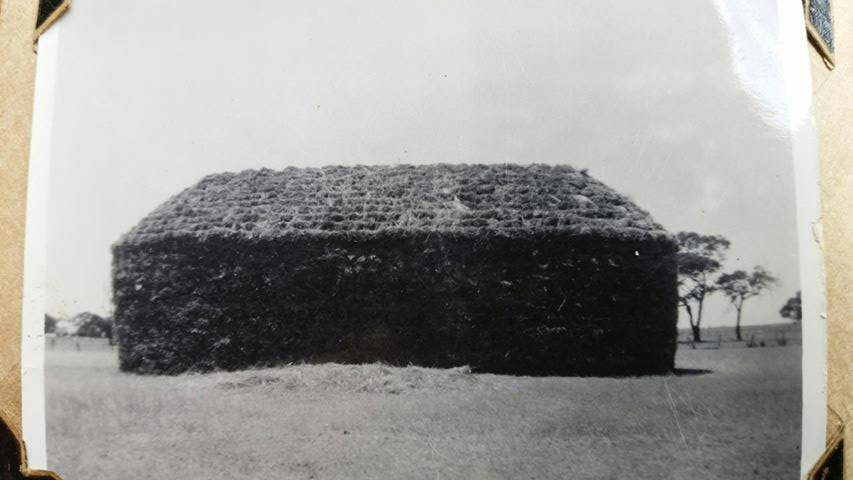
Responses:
[416,240]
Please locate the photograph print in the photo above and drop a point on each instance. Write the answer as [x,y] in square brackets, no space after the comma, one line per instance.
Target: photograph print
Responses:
[459,240]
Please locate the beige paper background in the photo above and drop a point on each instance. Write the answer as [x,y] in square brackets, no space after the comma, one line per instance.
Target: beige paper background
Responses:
[17,73]
[833,103]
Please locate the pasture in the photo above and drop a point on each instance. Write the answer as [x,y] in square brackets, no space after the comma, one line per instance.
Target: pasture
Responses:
[730,412]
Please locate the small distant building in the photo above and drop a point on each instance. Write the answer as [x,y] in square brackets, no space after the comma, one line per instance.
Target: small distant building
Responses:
[66,327]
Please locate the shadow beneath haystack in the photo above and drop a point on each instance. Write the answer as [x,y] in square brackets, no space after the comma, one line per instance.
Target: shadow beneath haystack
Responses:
[687,372]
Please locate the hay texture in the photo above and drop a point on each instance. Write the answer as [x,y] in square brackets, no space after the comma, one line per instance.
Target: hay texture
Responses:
[509,269]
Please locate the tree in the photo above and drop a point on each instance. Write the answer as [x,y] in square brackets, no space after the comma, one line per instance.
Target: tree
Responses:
[49,323]
[740,286]
[700,258]
[91,325]
[793,308]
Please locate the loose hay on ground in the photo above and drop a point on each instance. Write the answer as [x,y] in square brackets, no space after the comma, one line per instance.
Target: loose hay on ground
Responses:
[338,378]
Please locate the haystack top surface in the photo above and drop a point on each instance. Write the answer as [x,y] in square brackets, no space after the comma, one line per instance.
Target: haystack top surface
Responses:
[365,201]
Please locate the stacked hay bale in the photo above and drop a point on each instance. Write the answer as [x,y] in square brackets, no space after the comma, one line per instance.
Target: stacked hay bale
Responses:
[512,269]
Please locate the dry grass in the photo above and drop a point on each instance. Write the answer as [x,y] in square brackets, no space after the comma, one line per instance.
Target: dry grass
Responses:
[375,421]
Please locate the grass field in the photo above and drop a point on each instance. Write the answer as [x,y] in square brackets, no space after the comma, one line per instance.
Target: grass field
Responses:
[730,413]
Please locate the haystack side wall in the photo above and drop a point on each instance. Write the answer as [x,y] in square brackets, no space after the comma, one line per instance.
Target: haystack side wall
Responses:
[543,304]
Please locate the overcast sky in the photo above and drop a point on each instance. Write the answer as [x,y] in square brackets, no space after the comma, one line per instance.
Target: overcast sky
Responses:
[679,104]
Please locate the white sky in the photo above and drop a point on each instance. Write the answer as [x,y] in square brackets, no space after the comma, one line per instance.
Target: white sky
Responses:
[679,104]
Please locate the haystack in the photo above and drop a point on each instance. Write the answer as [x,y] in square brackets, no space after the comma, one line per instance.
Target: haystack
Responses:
[510,269]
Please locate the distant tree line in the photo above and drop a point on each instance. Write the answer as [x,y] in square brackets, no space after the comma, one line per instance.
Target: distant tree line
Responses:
[85,324]
[793,308]
[700,263]
[49,323]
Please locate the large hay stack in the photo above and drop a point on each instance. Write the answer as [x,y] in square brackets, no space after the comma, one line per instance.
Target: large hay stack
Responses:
[512,269]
